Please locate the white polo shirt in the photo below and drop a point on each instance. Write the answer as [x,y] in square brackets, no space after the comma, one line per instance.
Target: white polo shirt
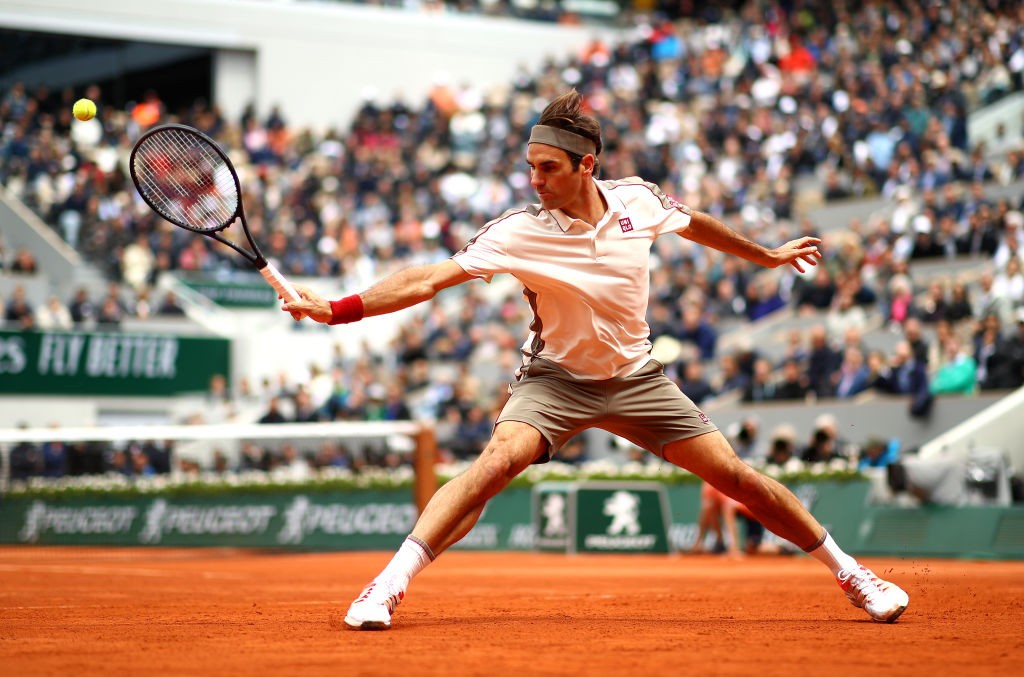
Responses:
[588,284]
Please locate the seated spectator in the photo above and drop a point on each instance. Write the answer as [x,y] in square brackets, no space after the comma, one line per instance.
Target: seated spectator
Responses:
[730,376]
[24,263]
[763,297]
[999,359]
[698,331]
[53,315]
[746,440]
[934,306]
[825,445]
[878,453]
[852,377]
[782,445]
[26,460]
[110,314]
[844,315]
[19,311]
[81,308]
[793,383]
[905,374]
[822,362]
[274,413]
[957,373]
[960,306]
[169,305]
[818,295]
[901,305]
[762,385]
[1009,282]
[693,384]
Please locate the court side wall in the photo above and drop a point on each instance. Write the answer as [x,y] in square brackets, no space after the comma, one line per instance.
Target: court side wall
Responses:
[316,60]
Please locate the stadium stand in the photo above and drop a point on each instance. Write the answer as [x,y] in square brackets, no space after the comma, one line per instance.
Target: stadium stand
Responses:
[848,121]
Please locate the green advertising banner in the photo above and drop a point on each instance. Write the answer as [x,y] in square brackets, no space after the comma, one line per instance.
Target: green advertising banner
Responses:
[358,520]
[112,364]
[618,517]
[249,292]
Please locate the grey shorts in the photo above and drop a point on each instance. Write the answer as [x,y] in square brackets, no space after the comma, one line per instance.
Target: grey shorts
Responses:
[646,407]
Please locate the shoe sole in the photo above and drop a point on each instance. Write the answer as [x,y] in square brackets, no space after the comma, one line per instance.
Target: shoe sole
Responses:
[892,618]
[353,624]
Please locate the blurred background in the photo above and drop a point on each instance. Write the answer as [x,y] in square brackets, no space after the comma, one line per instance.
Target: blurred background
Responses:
[373,136]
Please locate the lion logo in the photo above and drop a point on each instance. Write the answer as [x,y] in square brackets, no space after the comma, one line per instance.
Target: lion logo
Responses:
[624,509]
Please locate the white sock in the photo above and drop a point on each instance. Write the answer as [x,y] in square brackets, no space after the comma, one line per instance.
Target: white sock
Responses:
[832,556]
[411,558]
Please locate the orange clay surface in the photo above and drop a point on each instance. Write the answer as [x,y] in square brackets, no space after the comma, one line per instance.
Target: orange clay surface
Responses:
[87,612]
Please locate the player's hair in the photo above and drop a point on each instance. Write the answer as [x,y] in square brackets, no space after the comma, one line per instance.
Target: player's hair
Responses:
[566,112]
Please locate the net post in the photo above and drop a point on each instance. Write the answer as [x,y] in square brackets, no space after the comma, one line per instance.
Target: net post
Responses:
[425,482]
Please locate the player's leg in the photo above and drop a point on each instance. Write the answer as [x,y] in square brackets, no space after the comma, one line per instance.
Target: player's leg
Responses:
[449,515]
[712,458]
[455,508]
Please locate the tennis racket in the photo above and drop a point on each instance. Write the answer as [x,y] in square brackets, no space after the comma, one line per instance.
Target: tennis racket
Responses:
[188,180]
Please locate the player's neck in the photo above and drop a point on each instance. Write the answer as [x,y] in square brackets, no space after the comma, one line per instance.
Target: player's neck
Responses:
[589,207]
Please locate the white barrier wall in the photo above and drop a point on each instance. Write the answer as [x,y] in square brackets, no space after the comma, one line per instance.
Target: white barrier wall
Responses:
[314,59]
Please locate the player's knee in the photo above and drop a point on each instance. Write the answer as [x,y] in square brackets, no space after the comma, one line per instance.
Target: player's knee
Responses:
[745,485]
[495,467]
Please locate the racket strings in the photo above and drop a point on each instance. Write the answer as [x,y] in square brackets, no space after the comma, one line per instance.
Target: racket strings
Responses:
[186,180]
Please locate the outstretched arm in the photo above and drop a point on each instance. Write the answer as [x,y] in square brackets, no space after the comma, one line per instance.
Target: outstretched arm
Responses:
[707,230]
[400,290]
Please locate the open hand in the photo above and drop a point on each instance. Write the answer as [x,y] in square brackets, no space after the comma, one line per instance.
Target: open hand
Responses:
[798,253]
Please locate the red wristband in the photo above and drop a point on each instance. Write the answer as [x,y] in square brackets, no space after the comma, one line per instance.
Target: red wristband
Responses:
[348,309]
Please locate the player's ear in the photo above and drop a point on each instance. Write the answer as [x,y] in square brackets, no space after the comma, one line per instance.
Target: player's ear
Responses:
[587,164]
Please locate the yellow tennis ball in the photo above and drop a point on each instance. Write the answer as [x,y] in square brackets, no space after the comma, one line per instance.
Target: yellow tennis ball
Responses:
[84,109]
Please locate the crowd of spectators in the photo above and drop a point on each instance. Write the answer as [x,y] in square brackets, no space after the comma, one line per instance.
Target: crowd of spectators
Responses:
[729,116]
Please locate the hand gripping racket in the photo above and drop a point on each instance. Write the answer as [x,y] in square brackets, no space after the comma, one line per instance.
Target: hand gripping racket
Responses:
[187,179]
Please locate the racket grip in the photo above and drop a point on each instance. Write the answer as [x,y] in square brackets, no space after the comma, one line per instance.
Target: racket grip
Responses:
[278,282]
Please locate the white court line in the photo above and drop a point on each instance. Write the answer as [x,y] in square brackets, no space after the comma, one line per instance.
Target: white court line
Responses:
[107,571]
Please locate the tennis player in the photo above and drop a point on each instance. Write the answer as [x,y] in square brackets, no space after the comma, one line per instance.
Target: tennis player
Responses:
[582,254]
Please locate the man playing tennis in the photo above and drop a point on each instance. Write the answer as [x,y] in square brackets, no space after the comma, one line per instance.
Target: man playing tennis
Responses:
[582,255]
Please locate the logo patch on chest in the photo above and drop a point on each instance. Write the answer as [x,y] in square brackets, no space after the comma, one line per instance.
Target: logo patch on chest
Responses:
[625,224]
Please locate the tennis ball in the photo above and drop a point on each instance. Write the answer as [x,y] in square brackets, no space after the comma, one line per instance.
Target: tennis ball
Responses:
[84,109]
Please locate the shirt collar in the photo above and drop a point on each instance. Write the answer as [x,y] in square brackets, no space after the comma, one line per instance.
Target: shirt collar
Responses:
[615,206]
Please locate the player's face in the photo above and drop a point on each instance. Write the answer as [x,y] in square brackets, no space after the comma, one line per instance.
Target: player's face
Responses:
[552,176]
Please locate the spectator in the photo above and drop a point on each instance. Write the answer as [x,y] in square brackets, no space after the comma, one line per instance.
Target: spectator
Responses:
[782,447]
[878,453]
[82,310]
[852,378]
[696,330]
[957,373]
[693,383]
[822,362]
[24,263]
[273,413]
[169,305]
[818,295]
[793,383]
[53,315]
[762,384]
[19,311]
[26,460]
[825,445]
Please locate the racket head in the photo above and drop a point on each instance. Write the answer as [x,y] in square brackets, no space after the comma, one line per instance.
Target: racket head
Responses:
[185,177]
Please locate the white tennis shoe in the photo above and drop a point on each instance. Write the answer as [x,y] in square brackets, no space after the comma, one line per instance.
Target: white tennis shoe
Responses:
[373,608]
[884,601]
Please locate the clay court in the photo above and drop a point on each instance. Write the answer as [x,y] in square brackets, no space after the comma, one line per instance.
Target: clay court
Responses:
[221,612]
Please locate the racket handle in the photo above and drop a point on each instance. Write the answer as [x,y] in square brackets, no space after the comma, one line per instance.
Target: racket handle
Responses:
[278,282]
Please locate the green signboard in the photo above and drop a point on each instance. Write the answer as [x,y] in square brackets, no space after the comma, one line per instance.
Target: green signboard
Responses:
[360,520]
[248,292]
[115,363]
[551,516]
[618,517]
